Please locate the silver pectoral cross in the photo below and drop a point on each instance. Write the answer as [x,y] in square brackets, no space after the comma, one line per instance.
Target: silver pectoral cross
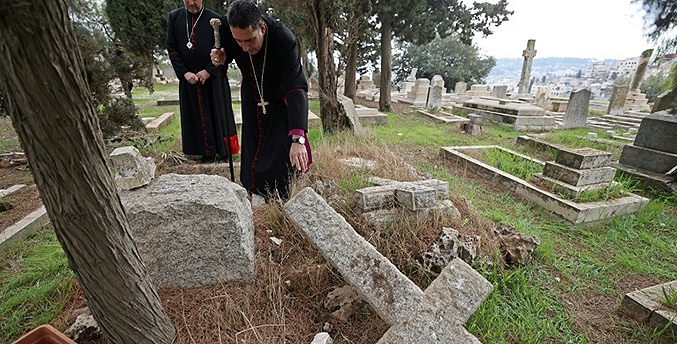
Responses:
[263,104]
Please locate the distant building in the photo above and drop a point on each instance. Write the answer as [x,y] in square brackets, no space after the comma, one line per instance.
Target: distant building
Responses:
[625,67]
[598,70]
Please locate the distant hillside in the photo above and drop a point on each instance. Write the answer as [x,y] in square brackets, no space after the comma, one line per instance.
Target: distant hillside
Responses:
[511,69]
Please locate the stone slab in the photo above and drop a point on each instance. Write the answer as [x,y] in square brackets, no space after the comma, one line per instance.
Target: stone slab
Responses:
[160,122]
[167,102]
[132,170]
[567,209]
[648,159]
[25,227]
[391,294]
[415,197]
[375,197]
[658,132]
[449,301]
[444,117]
[192,230]
[645,306]
[649,179]
[579,177]
[565,189]
[12,189]
[583,158]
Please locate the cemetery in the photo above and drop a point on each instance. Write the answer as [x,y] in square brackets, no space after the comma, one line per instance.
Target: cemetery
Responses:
[439,207]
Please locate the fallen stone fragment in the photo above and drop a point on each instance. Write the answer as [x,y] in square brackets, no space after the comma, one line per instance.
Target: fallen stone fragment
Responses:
[132,170]
[343,302]
[84,326]
[443,251]
[518,248]
[322,338]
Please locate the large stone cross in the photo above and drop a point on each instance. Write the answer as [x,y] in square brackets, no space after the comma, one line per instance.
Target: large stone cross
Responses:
[528,54]
[435,315]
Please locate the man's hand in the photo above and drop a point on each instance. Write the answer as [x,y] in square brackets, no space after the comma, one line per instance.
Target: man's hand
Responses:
[298,156]
[191,78]
[202,76]
[218,57]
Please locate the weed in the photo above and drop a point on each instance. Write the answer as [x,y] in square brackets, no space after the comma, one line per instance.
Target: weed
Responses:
[510,163]
[669,297]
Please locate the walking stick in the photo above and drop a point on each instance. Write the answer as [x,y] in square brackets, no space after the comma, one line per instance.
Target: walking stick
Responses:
[216,24]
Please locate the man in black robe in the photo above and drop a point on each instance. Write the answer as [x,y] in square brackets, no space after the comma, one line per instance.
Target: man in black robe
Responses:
[190,38]
[274,98]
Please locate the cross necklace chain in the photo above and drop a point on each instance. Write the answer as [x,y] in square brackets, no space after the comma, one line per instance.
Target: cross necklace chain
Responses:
[259,87]
[189,45]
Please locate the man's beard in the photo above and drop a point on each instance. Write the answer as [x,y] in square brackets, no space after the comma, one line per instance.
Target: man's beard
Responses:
[193,9]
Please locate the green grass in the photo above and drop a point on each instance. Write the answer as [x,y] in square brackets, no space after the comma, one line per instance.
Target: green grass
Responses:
[669,297]
[510,163]
[155,111]
[622,187]
[34,284]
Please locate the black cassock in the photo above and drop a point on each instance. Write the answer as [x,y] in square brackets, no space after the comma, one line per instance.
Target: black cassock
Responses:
[266,167]
[203,126]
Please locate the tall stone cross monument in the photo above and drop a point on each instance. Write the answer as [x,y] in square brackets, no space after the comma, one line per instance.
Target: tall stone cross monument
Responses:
[528,54]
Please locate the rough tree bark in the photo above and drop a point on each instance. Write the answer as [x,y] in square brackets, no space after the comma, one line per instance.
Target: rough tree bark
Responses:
[350,88]
[386,63]
[333,115]
[42,75]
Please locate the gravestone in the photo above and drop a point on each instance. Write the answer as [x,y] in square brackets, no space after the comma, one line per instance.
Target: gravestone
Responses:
[542,97]
[499,91]
[667,100]
[415,316]
[376,78]
[410,82]
[132,170]
[461,87]
[418,96]
[635,99]
[192,230]
[617,99]
[314,87]
[525,77]
[655,146]
[576,115]
[349,108]
[647,306]
[365,83]
[435,94]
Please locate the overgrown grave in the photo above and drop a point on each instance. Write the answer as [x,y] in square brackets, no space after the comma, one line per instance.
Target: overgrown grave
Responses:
[583,169]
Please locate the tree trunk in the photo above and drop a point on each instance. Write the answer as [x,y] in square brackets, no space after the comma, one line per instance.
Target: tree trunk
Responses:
[332,114]
[49,101]
[350,88]
[303,55]
[386,63]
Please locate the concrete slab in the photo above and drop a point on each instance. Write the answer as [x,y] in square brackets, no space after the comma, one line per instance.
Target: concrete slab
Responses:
[583,158]
[579,177]
[168,101]
[646,306]
[567,209]
[25,227]
[12,189]
[648,159]
[567,190]
[444,117]
[160,122]
[649,179]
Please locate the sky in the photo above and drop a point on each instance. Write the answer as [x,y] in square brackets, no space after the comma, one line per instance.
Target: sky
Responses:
[599,29]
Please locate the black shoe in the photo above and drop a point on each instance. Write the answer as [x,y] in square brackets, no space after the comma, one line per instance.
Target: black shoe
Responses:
[207,158]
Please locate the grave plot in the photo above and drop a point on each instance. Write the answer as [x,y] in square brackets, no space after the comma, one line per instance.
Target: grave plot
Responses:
[21,211]
[444,117]
[575,172]
[655,306]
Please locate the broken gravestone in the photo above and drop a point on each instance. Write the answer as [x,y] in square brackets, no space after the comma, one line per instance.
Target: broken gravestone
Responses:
[192,230]
[343,302]
[415,316]
[132,170]
[516,248]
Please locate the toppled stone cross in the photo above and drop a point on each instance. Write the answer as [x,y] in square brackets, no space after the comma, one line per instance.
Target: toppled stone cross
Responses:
[435,315]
